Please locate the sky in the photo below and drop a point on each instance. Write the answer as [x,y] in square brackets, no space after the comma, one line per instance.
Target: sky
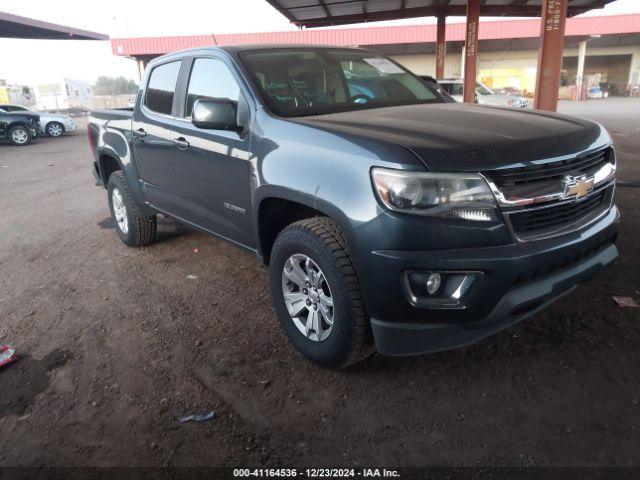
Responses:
[34,62]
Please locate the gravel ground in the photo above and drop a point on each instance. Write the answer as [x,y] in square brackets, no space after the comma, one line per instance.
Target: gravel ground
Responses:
[115,344]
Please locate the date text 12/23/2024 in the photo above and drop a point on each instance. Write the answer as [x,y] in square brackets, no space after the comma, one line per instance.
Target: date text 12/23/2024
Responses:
[316,473]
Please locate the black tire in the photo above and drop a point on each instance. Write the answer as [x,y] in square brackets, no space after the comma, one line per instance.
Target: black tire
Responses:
[21,129]
[52,131]
[321,239]
[141,230]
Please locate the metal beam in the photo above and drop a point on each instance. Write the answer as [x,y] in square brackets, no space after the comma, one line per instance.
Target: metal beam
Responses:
[441,46]
[326,10]
[14,26]
[554,15]
[524,8]
[471,50]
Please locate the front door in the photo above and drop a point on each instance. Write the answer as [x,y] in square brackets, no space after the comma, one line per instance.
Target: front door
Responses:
[153,149]
[213,167]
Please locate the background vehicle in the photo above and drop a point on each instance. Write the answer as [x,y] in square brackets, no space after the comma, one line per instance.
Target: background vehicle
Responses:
[484,95]
[597,92]
[384,214]
[51,124]
[18,128]
[433,83]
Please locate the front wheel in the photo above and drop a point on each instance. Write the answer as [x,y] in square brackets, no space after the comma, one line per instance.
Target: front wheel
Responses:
[19,135]
[134,229]
[55,129]
[316,294]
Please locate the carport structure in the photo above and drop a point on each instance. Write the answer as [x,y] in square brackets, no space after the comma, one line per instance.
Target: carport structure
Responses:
[322,13]
[14,26]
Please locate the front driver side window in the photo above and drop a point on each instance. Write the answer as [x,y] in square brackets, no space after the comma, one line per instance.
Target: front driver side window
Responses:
[212,79]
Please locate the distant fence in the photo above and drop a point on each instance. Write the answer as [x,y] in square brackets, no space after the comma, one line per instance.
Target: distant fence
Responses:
[113,101]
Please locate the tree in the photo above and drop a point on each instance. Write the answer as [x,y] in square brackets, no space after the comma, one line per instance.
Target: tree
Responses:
[114,86]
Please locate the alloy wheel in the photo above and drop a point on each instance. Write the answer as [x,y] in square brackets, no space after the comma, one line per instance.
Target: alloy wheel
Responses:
[54,130]
[308,298]
[20,136]
[119,211]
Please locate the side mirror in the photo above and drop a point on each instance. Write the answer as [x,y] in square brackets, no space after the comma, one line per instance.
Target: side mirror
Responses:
[218,114]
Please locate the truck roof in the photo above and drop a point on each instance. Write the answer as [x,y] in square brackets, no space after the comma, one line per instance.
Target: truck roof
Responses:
[235,49]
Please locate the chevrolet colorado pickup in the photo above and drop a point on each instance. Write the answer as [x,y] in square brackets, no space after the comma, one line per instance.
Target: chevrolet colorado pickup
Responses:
[388,218]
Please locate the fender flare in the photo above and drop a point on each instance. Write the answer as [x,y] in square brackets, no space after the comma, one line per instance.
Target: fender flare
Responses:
[134,183]
[312,201]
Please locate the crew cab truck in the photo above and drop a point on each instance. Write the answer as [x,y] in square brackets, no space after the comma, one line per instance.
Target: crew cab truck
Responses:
[388,218]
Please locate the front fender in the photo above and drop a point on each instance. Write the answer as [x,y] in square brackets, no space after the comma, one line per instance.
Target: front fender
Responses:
[321,170]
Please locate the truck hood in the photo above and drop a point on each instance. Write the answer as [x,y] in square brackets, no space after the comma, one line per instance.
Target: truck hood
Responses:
[450,137]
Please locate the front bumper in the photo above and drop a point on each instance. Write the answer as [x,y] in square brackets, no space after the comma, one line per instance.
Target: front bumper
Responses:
[518,281]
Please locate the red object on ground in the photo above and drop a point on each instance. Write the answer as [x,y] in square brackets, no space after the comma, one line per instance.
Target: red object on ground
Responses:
[7,355]
[195,250]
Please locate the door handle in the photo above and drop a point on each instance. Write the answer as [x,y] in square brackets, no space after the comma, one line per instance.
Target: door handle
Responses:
[140,133]
[181,143]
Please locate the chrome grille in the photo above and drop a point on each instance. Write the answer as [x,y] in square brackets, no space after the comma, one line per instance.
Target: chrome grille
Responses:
[544,172]
[560,217]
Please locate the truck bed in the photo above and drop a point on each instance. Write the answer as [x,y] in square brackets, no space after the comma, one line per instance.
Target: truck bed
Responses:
[113,114]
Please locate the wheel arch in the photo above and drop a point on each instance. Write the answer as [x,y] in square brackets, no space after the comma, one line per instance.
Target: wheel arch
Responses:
[276,208]
[18,123]
[108,163]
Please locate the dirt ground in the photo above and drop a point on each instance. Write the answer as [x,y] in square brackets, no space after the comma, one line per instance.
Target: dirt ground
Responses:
[116,344]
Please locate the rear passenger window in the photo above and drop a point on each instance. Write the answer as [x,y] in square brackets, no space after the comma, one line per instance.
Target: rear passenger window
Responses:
[161,88]
[210,79]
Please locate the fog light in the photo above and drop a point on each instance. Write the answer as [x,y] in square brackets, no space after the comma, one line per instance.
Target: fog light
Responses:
[434,280]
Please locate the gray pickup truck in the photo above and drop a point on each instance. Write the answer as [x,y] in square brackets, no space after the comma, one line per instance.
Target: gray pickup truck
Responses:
[388,217]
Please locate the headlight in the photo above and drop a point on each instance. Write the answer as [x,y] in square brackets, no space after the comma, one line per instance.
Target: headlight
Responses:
[449,195]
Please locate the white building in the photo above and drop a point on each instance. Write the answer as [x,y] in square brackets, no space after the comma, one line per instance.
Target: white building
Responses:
[64,95]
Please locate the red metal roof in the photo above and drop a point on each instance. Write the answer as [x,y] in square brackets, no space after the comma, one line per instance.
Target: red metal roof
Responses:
[494,30]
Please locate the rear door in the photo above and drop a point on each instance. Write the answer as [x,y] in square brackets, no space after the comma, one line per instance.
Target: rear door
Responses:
[152,145]
[213,167]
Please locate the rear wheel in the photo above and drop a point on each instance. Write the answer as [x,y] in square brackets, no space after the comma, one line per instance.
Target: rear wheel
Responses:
[19,135]
[316,294]
[134,229]
[55,129]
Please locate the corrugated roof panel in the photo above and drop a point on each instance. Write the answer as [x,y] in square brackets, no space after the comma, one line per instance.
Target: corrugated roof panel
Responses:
[501,30]
[357,11]
[305,13]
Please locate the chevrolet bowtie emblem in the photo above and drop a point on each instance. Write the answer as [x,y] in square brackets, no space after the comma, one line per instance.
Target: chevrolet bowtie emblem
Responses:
[577,187]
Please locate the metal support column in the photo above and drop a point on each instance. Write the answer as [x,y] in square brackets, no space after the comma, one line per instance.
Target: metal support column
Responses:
[554,15]
[471,50]
[140,68]
[441,46]
[582,53]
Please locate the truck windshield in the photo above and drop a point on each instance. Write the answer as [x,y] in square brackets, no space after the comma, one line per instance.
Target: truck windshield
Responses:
[307,81]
